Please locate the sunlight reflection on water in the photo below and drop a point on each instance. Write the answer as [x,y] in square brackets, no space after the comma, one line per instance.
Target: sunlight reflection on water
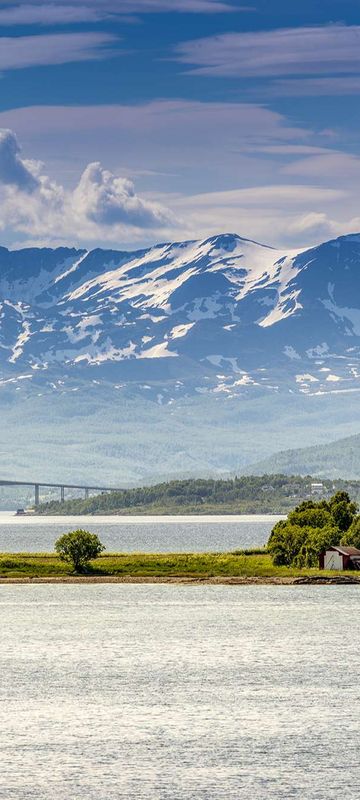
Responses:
[142,692]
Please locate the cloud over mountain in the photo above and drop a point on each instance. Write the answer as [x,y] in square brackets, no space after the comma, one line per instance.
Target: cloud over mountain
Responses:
[13,170]
[102,205]
[107,199]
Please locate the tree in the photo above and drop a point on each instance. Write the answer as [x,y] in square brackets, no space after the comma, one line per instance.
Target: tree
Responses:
[317,540]
[78,548]
[352,536]
[313,527]
[285,543]
[307,516]
[342,510]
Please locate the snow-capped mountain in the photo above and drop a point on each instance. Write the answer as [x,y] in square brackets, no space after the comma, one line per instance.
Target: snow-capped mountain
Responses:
[187,358]
[224,316]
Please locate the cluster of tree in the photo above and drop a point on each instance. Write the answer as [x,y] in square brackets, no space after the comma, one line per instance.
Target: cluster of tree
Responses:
[245,494]
[313,527]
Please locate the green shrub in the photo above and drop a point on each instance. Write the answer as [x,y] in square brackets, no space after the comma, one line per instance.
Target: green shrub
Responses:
[78,548]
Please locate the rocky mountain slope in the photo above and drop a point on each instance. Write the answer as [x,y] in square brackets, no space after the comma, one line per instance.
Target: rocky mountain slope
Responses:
[220,316]
[249,348]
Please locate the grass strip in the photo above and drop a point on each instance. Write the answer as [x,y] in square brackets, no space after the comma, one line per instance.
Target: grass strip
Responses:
[207,565]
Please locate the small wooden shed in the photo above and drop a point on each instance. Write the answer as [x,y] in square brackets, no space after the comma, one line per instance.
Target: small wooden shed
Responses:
[340,558]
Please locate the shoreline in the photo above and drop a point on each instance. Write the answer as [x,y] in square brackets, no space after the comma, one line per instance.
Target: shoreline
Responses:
[138,516]
[336,580]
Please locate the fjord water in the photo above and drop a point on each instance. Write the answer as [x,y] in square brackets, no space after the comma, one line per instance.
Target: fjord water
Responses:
[144,692]
[139,534]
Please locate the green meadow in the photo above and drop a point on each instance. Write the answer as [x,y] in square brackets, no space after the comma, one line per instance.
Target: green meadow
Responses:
[250,563]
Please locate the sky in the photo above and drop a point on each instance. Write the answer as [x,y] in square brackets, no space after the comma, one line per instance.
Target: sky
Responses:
[128,122]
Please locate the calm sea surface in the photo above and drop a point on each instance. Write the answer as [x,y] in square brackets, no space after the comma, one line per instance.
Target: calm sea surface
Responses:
[143,692]
[138,534]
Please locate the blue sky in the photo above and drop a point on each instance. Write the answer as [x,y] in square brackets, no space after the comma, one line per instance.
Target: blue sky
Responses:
[126,122]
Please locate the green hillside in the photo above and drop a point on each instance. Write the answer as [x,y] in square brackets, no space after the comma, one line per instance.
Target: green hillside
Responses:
[240,495]
[339,459]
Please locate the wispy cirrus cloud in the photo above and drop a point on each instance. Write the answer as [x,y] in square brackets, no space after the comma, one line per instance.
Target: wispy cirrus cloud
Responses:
[336,164]
[325,50]
[19,52]
[184,6]
[317,87]
[65,12]
[205,144]
[277,214]
[167,122]
[51,14]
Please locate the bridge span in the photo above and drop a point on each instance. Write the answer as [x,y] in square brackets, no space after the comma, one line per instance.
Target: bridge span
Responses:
[61,486]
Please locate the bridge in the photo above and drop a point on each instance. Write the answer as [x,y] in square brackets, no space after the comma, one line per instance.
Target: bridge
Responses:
[60,486]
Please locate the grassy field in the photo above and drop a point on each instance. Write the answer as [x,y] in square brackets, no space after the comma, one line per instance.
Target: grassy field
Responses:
[249,564]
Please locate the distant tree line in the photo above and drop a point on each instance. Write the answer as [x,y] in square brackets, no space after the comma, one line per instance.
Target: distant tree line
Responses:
[245,494]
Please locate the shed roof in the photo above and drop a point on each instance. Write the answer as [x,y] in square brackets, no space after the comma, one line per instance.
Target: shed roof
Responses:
[346,551]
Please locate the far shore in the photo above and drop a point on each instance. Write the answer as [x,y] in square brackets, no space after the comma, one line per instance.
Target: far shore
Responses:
[139,514]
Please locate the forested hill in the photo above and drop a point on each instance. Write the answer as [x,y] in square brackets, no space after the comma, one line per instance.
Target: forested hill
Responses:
[241,495]
[333,460]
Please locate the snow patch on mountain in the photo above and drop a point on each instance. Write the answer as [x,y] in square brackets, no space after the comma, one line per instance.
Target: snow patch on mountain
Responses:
[350,317]
[238,316]
[180,330]
[106,353]
[291,353]
[158,351]
[71,269]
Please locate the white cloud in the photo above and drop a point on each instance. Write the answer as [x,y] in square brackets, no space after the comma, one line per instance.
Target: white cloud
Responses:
[13,170]
[316,87]
[65,12]
[288,149]
[326,50]
[283,216]
[272,196]
[105,199]
[103,206]
[49,14]
[59,48]
[194,143]
[191,120]
[189,6]
[325,165]
[172,148]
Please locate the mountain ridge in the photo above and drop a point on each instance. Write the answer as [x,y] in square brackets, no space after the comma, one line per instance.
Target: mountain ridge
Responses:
[340,458]
[218,303]
[210,354]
